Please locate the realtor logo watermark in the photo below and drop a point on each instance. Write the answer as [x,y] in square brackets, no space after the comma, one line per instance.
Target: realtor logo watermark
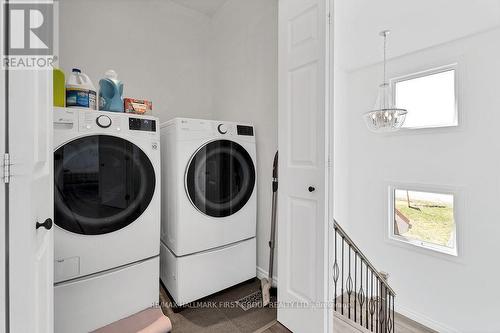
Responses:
[30,42]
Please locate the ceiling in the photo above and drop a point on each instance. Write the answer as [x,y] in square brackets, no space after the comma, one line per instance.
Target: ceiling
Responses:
[207,7]
[414,25]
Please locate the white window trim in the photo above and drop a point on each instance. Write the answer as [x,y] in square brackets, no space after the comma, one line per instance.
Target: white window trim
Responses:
[427,72]
[427,247]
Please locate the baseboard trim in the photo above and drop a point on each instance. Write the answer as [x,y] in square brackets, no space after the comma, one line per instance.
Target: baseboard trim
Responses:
[262,273]
[424,320]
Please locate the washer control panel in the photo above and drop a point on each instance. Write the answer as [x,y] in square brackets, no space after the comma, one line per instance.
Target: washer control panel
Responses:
[140,124]
[95,120]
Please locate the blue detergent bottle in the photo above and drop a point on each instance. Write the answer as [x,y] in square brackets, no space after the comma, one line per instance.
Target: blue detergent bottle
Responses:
[111,92]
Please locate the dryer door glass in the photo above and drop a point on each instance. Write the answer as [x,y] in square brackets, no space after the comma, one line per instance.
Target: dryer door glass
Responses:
[102,184]
[220,178]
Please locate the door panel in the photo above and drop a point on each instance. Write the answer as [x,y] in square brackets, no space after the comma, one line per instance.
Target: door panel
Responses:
[302,236]
[303,194]
[303,95]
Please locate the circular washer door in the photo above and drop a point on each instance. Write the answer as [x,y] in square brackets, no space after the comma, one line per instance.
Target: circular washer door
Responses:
[101,184]
[220,178]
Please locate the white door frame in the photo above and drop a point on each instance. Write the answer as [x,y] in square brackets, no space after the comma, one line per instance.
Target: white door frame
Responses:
[331,156]
[3,190]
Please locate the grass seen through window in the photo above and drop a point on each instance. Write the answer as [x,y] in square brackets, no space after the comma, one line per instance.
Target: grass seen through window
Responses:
[423,216]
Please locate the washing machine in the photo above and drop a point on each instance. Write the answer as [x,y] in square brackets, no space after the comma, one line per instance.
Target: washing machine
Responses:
[107,216]
[209,211]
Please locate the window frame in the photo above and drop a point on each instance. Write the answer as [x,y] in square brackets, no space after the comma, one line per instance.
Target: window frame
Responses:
[427,72]
[414,244]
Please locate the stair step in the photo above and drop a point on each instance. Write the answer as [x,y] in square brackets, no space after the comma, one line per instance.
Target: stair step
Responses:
[343,325]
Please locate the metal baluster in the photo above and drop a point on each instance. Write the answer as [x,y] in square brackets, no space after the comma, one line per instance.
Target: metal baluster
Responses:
[393,316]
[381,314]
[385,309]
[355,283]
[372,301]
[335,275]
[376,304]
[361,296]
[342,286]
[382,306]
[349,285]
[366,312]
[389,318]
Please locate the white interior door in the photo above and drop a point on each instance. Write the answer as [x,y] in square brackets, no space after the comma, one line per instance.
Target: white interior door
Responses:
[303,193]
[30,201]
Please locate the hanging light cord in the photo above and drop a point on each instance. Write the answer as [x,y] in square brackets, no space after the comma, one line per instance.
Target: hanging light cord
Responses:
[385,57]
[385,84]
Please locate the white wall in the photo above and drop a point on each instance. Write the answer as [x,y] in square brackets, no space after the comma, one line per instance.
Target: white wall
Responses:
[244,51]
[158,48]
[222,67]
[447,294]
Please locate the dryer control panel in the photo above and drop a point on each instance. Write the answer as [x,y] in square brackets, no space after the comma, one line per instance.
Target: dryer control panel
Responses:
[193,129]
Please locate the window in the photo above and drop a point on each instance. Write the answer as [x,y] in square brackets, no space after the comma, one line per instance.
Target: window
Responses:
[424,219]
[429,97]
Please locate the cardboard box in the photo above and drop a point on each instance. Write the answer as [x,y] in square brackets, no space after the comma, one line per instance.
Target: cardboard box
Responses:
[137,106]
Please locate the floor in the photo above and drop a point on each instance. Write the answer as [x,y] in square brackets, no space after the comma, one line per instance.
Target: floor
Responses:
[220,313]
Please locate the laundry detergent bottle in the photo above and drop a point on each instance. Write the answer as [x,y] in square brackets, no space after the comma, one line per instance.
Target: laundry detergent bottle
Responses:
[80,91]
[111,92]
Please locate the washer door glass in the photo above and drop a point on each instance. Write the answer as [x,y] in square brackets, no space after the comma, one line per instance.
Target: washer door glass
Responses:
[220,178]
[102,184]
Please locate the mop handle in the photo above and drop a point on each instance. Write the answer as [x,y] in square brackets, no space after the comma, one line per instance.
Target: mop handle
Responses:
[273,216]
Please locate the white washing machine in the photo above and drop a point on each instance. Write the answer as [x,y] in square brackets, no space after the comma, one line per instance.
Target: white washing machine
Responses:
[107,216]
[209,209]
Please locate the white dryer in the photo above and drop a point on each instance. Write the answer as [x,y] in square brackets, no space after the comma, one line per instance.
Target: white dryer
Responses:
[209,206]
[107,216]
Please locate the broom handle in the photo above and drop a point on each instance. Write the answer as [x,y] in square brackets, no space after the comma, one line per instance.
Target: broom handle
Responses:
[273,217]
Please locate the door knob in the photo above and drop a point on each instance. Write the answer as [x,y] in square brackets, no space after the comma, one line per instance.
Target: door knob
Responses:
[311,189]
[47,224]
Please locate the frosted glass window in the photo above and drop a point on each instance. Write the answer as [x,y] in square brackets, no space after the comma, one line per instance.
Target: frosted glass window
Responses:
[430,99]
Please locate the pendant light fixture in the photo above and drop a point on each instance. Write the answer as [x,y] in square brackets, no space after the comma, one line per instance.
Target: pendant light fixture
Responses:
[385,117]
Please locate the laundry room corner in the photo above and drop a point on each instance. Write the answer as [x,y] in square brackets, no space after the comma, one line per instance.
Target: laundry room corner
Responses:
[221,66]
[245,51]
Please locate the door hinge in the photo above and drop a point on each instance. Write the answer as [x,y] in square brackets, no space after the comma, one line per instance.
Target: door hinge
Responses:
[329,18]
[6,168]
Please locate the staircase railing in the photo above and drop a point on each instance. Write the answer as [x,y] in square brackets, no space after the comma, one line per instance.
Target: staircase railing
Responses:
[361,292]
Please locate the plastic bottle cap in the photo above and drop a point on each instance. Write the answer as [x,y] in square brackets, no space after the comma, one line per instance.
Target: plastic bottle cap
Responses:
[76,70]
[111,74]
